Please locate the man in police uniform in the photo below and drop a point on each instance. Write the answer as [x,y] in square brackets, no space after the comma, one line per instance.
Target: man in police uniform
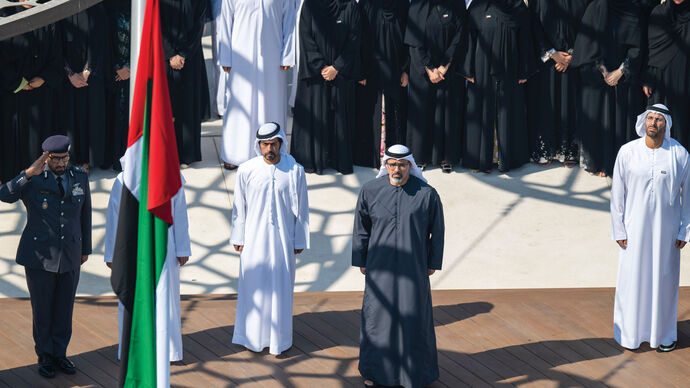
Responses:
[54,244]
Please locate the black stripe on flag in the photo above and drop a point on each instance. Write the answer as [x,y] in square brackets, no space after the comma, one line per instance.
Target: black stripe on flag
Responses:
[123,276]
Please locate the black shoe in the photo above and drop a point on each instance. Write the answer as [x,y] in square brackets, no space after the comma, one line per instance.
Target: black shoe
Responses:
[666,348]
[66,365]
[45,366]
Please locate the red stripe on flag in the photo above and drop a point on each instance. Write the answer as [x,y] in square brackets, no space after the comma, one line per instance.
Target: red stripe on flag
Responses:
[164,164]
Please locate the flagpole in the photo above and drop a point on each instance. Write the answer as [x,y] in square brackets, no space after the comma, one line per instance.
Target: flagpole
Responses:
[136,25]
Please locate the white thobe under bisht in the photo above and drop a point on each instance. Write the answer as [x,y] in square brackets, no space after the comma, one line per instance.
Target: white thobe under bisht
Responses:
[270,218]
[649,209]
[179,234]
[255,38]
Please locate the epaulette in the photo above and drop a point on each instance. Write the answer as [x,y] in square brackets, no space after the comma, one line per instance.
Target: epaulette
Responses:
[78,169]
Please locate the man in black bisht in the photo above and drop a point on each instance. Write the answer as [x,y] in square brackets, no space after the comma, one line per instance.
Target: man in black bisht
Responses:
[30,83]
[434,33]
[551,93]
[329,67]
[85,46]
[668,68]
[608,57]
[385,69]
[398,243]
[182,25]
[499,60]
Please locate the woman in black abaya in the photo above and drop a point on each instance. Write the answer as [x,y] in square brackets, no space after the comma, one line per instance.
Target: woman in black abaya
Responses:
[434,130]
[385,68]
[668,69]
[552,92]
[608,58]
[325,100]
[499,61]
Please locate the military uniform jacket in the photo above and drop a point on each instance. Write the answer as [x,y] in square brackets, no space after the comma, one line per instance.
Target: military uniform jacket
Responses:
[58,229]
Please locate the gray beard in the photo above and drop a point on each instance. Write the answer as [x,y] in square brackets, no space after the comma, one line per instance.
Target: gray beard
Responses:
[395,180]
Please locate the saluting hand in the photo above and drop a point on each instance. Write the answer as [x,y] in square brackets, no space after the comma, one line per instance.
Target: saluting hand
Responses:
[37,167]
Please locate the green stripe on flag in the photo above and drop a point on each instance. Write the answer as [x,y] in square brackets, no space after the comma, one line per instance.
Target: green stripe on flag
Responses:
[151,254]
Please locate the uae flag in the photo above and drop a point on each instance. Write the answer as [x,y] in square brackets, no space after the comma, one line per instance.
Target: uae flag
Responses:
[151,179]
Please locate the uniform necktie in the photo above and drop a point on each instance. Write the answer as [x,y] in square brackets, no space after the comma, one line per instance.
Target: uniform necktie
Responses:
[62,189]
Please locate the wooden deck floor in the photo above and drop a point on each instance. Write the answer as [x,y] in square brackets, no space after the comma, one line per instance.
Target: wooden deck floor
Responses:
[550,338]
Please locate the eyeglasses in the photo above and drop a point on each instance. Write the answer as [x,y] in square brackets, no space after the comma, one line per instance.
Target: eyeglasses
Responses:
[401,166]
[59,158]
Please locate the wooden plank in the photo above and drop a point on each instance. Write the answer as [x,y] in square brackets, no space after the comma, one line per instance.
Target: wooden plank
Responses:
[485,338]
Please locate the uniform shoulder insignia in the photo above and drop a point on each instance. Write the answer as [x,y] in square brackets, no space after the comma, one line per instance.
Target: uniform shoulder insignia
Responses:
[78,169]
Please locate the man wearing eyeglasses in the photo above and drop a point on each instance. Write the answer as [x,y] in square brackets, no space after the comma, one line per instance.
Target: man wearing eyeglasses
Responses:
[55,242]
[397,243]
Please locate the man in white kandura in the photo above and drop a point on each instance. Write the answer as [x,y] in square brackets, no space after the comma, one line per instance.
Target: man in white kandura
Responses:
[650,216]
[180,245]
[255,48]
[270,225]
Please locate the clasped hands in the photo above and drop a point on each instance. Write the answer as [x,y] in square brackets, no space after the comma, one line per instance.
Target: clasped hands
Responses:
[438,74]
[562,60]
[329,73]
[80,80]
[177,62]
[34,83]
[611,78]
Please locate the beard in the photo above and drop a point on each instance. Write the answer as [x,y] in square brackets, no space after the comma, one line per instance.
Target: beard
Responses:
[270,156]
[397,178]
[59,170]
[653,132]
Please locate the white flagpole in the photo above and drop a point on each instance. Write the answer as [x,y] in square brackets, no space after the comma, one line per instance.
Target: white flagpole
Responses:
[136,25]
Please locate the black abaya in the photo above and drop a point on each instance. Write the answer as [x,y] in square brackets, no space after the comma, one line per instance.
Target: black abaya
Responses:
[28,116]
[500,55]
[325,110]
[610,37]
[668,68]
[552,95]
[117,91]
[434,33]
[85,46]
[384,59]
[182,24]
